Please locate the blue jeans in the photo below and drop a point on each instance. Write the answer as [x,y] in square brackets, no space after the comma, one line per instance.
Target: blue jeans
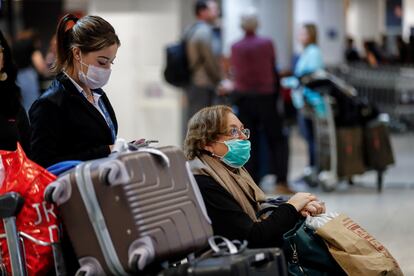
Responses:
[306,130]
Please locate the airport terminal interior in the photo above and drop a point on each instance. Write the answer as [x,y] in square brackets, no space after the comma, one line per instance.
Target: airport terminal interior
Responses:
[367,47]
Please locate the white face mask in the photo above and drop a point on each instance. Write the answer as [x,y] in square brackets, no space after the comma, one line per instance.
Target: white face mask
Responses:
[95,77]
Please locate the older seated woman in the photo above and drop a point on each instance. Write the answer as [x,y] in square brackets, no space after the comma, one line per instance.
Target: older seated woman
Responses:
[217,146]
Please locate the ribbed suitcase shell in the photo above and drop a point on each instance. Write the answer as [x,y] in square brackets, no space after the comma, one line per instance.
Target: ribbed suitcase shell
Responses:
[159,202]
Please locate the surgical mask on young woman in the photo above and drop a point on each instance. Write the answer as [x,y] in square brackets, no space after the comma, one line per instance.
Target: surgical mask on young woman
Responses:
[95,77]
[238,153]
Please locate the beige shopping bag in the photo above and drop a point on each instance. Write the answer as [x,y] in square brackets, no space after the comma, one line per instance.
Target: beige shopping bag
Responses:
[355,250]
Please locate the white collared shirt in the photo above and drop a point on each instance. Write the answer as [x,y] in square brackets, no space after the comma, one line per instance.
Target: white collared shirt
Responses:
[96,96]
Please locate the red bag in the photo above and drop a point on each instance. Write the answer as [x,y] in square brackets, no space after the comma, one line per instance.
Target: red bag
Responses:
[37,217]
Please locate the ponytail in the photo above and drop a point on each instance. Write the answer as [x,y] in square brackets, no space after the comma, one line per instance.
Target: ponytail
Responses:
[63,42]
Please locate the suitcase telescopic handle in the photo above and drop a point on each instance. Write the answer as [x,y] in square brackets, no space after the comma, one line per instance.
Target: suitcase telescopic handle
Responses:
[10,205]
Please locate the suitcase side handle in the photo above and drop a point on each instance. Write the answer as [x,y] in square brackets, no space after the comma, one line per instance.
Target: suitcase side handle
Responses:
[163,157]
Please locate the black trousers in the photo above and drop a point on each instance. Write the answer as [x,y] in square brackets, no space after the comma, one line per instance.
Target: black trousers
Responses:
[260,113]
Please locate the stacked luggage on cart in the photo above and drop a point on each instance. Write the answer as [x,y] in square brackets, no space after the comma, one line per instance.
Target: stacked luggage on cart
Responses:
[351,136]
[137,212]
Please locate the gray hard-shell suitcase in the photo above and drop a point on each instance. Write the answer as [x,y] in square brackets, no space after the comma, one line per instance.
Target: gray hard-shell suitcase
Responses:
[131,209]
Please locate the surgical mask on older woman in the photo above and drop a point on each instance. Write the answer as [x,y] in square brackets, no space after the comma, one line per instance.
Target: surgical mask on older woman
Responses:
[238,153]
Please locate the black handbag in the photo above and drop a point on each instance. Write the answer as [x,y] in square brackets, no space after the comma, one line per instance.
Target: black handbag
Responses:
[230,258]
[307,253]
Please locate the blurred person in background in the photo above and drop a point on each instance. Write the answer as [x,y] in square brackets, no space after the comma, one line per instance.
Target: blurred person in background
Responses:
[50,60]
[31,66]
[310,61]
[203,52]
[372,54]
[402,50]
[14,124]
[410,46]
[73,119]
[351,53]
[51,54]
[255,82]
[384,49]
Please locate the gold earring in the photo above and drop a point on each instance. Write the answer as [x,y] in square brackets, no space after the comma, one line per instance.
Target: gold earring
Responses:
[3,76]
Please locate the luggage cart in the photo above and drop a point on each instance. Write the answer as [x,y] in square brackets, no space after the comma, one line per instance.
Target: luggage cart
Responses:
[391,88]
[10,205]
[328,135]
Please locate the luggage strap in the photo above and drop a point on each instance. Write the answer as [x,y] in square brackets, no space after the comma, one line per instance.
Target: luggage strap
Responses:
[225,246]
[87,192]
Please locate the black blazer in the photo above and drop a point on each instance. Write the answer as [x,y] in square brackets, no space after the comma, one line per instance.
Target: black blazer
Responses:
[65,126]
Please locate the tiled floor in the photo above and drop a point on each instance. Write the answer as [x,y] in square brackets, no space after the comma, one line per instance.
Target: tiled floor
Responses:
[388,216]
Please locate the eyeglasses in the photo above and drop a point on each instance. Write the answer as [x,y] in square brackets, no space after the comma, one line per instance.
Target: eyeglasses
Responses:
[236,132]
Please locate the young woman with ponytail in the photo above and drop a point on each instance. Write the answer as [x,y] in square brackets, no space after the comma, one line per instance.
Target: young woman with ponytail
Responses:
[73,119]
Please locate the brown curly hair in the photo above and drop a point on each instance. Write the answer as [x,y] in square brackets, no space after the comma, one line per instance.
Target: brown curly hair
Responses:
[204,128]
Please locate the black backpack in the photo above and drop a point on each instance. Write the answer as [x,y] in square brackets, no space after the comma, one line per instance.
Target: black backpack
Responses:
[177,71]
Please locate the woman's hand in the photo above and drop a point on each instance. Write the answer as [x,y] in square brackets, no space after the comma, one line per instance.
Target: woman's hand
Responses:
[300,200]
[313,208]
